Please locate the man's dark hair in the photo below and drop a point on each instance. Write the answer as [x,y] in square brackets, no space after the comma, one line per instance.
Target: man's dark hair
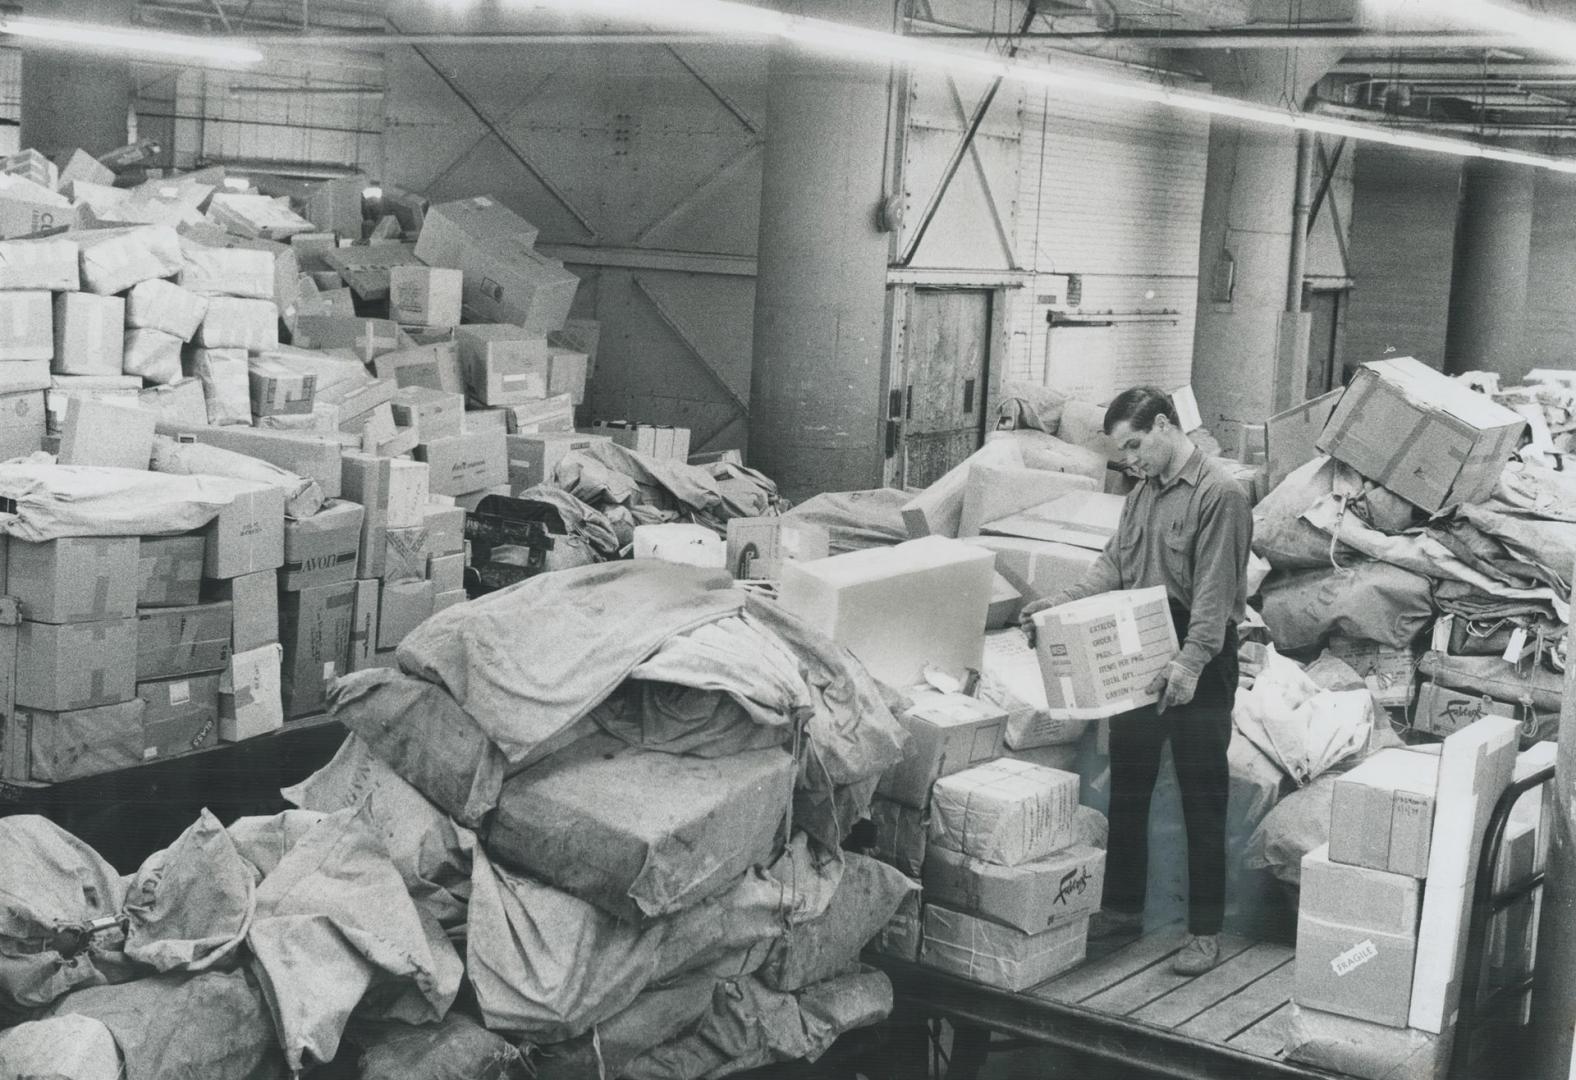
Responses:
[1139,407]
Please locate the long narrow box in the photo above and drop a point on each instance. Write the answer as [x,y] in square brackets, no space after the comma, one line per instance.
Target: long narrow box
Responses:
[1031,897]
[556,413]
[1099,655]
[234,323]
[250,703]
[1382,813]
[1006,812]
[315,631]
[996,955]
[60,668]
[84,742]
[1356,940]
[179,715]
[900,834]
[364,623]
[900,610]
[183,640]
[1421,434]
[107,435]
[533,459]
[947,734]
[74,579]
[315,457]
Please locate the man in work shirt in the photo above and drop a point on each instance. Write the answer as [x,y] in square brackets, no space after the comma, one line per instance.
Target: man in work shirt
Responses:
[1186,526]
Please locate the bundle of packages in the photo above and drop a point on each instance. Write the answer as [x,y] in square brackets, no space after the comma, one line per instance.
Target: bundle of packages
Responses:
[736,721]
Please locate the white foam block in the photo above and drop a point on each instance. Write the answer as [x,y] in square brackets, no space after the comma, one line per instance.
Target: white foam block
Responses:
[1475,767]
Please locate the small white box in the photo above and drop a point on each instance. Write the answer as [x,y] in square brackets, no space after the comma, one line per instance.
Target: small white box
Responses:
[690,545]
[249,694]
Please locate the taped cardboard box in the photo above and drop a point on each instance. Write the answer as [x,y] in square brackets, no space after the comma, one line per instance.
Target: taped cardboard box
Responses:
[434,414]
[697,826]
[315,457]
[113,260]
[50,263]
[533,459]
[445,527]
[1099,655]
[169,571]
[335,205]
[257,216]
[996,955]
[947,734]
[1086,519]
[322,549]
[179,403]
[1354,971]
[1442,711]
[254,607]
[1382,813]
[402,606]
[435,366]
[404,555]
[502,365]
[75,579]
[249,696]
[27,208]
[177,641]
[446,572]
[1037,568]
[315,628]
[277,390]
[1032,897]
[567,370]
[225,375]
[993,492]
[179,715]
[23,418]
[425,295]
[88,334]
[1352,1047]
[641,438]
[364,623]
[228,271]
[248,535]
[27,326]
[445,600]
[553,414]
[118,389]
[394,492]
[506,280]
[1010,678]
[61,668]
[758,547]
[451,230]
[464,463]
[367,338]
[84,742]
[1421,434]
[476,420]
[581,335]
[84,166]
[33,166]
[358,405]
[1006,812]
[900,610]
[151,354]
[235,323]
[366,268]
[1388,672]
[104,434]
[938,510]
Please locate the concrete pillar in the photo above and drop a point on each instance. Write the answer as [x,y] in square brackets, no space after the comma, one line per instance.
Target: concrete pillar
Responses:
[72,99]
[820,289]
[1250,354]
[1488,292]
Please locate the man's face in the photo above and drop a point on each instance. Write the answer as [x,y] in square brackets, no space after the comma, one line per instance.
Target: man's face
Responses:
[1143,453]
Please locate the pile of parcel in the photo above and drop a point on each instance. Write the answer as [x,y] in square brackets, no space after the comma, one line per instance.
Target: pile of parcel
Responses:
[242,432]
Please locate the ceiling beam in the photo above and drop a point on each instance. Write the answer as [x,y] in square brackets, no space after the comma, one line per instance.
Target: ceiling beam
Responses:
[1277,38]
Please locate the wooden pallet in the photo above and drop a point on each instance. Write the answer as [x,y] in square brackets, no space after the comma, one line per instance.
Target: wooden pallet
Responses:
[1242,1003]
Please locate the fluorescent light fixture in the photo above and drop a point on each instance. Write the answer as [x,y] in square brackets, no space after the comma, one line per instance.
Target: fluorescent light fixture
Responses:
[127,39]
[727,17]
[1545,33]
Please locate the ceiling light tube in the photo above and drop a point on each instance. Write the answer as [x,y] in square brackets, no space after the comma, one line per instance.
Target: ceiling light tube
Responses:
[730,17]
[128,39]
[1547,34]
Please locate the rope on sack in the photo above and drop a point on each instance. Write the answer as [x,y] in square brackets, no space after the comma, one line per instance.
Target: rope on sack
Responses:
[596,1048]
[1341,502]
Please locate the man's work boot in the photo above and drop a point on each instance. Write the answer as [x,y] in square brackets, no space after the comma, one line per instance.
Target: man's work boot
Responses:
[1105,924]
[1200,953]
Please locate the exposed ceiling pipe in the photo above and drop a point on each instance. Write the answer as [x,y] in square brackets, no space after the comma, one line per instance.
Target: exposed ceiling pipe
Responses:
[1278,38]
[1407,123]
[374,40]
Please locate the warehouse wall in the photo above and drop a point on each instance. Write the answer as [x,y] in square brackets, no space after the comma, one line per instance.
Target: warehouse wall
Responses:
[1402,248]
[1113,193]
[1551,313]
[323,111]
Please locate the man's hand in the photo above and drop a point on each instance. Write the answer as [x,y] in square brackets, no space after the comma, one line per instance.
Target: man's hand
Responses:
[1175,685]
[1031,609]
